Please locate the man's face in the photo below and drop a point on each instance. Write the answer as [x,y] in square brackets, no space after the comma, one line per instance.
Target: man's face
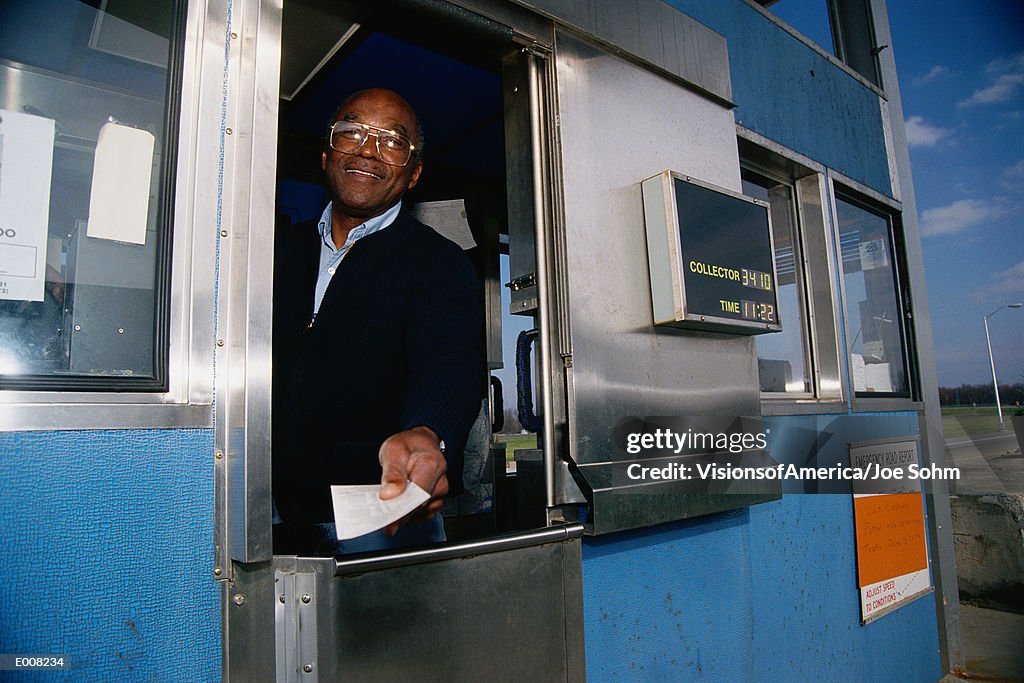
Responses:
[361,184]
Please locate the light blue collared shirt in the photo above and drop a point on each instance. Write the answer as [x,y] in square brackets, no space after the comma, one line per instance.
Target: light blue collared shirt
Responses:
[331,256]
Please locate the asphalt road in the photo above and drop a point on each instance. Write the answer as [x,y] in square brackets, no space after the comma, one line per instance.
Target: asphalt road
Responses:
[989,463]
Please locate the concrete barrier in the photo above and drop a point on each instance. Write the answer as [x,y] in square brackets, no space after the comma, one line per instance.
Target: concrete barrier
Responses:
[988,535]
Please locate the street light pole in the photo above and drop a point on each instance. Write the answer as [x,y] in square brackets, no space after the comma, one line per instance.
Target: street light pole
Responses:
[992,362]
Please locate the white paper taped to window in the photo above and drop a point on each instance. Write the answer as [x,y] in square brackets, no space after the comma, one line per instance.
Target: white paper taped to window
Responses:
[26,160]
[873,255]
[121,173]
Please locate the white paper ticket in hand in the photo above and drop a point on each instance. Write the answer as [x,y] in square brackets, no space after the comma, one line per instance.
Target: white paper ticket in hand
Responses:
[359,510]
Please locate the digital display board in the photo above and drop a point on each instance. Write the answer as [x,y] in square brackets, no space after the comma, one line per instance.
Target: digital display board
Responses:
[711,257]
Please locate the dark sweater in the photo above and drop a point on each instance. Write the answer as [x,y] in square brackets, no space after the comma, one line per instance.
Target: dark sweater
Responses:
[396,344]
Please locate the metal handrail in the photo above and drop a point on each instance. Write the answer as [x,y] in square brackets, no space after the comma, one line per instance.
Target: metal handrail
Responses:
[512,541]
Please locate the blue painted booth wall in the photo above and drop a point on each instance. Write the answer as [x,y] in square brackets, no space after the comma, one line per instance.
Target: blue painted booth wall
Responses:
[789,93]
[107,553]
[767,593]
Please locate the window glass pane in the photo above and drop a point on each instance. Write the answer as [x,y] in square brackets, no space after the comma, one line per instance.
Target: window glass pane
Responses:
[874,327]
[83,179]
[513,433]
[782,356]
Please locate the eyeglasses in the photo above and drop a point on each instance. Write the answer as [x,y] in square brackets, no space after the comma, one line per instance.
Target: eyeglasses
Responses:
[348,137]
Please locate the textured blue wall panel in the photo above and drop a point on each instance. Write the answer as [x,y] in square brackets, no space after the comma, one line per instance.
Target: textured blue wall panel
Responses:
[107,553]
[764,593]
[807,616]
[653,598]
[790,94]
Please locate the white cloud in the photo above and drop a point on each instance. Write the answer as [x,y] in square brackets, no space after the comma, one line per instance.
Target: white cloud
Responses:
[961,214]
[1002,90]
[1008,281]
[1015,171]
[1011,63]
[1008,75]
[923,134]
[935,73]
[1012,180]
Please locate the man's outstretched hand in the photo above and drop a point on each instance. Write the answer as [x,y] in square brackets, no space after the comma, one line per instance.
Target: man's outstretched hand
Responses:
[414,455]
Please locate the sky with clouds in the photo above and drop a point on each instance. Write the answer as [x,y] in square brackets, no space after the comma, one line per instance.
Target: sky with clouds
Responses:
[961,68]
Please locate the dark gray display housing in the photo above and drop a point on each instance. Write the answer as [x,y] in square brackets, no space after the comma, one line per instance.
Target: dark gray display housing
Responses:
[711,257]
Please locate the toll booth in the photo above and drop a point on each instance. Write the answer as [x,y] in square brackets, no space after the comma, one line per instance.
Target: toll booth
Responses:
[688,218]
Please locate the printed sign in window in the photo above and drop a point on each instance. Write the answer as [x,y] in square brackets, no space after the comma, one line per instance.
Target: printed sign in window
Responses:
[17,260]
[873,255]
[26,157]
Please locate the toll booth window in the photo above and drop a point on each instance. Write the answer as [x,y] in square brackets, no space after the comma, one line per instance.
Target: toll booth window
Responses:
[782,357]
[86,171]
[874,314]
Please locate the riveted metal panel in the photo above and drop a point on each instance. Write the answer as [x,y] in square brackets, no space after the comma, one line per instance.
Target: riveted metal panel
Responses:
[247,604]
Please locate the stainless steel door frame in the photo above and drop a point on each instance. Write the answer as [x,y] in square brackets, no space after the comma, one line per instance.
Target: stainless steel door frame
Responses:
[253,581]
[241,50]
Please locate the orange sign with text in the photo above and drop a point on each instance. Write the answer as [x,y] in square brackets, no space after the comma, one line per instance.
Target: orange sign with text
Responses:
[892,551]
[890,536]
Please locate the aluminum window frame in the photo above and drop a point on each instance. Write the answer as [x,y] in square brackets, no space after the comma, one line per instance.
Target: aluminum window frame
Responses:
[799,267]
[188,399]
[820,295]
[861,196]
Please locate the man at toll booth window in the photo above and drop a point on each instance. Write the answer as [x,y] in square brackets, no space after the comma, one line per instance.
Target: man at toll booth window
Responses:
[377,348]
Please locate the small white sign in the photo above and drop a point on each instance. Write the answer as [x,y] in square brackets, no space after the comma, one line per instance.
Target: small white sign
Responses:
[121,174]
[884,596]
[873,255]
[26,160]
[859,374]
[877,377]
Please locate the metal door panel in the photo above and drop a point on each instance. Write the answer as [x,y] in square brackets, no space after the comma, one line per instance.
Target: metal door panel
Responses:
[621,124]
[506,608]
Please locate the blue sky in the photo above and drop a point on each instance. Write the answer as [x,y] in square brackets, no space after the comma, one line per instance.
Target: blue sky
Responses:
[961,68]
